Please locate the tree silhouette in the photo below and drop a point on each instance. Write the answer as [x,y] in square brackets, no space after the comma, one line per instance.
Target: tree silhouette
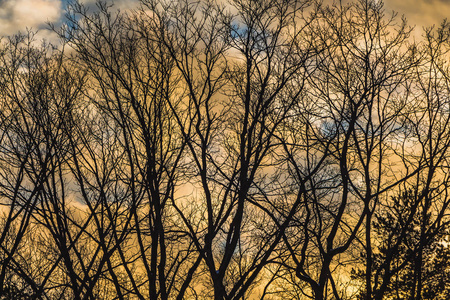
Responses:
[225,150]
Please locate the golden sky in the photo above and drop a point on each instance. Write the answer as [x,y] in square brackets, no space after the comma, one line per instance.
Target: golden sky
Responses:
[421,13]
[34,14]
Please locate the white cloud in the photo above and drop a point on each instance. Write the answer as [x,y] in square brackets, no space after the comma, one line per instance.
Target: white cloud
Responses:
[17,15]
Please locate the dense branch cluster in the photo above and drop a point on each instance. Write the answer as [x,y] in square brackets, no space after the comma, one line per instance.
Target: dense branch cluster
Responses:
[249,149]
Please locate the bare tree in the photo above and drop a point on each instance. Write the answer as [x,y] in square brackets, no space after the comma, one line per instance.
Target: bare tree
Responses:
[244,72]
[413,221]
[132,164]
[223,150]
[358,104]
[34,114]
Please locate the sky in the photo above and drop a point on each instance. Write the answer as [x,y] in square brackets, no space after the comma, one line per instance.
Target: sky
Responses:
[20,15]
[421,13]
[17,15]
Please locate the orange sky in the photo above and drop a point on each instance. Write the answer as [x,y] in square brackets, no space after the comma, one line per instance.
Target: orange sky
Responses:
[421,13]
[17,15]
